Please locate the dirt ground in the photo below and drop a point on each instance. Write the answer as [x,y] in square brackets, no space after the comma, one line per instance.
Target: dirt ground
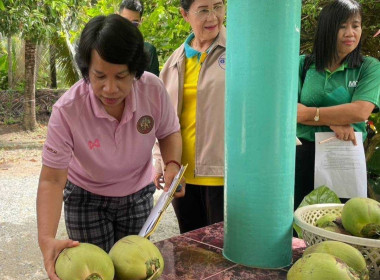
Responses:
[20,164]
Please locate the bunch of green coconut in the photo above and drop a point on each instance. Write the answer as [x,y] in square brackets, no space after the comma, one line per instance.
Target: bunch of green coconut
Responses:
[337,260]
[132,257]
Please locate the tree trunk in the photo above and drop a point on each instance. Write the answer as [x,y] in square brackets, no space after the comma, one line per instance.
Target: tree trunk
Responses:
[39,49]
[53,69]
[29,121]
[10,63]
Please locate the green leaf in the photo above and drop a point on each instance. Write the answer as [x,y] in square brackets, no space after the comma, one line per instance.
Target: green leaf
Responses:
[322,194]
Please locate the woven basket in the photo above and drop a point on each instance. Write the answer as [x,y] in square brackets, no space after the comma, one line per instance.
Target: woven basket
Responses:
[305,217]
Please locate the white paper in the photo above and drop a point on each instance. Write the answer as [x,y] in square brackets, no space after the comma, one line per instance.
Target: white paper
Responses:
[161,205]
[298,142]
[340,165]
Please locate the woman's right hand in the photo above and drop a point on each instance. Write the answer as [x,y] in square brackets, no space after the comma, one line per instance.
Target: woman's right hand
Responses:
[51,249]
[344,132]
[158,180]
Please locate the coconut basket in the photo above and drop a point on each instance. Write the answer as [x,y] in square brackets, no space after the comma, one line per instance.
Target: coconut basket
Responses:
[306,217]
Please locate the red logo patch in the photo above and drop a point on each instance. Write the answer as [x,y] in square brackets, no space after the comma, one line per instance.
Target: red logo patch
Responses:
[145,124]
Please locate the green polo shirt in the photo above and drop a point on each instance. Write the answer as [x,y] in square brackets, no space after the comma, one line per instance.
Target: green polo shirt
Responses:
[344,85]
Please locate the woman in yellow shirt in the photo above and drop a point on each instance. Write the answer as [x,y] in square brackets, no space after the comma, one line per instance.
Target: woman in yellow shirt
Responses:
[194,76]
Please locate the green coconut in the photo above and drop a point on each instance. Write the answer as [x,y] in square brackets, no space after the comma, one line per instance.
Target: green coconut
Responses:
[84,262]
[345,252]
[321,266]
[361,217]
[137,258]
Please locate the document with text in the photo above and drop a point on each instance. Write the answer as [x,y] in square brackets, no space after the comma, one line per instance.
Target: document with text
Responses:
[340,165]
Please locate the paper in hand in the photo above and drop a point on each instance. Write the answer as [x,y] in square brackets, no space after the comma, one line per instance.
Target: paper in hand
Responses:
[340,165]
[162,203]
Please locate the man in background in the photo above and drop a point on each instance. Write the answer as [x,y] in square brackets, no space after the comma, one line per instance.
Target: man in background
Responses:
[133,11]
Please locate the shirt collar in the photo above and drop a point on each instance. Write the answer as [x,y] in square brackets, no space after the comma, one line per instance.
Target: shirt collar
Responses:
[340,68]
[190,52]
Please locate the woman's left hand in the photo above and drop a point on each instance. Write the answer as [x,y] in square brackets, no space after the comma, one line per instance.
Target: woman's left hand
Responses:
[302,113]
[344,133]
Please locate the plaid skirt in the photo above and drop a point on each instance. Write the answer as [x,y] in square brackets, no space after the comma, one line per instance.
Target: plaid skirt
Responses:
[103,220]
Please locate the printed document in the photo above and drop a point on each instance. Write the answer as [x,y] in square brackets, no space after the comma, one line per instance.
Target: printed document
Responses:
[340,165]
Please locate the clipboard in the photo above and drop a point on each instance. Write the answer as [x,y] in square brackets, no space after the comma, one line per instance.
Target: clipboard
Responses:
[163,202]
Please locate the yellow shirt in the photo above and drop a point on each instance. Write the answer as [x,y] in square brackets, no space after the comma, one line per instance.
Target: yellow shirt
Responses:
[188,123]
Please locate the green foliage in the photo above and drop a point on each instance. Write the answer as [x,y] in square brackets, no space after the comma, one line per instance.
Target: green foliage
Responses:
[164,27]
[3,71]
[103,7]
[376,120]
[66,74]
[9,21]
[35,19]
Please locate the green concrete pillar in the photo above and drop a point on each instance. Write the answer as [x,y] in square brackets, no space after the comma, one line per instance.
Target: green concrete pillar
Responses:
[261,103]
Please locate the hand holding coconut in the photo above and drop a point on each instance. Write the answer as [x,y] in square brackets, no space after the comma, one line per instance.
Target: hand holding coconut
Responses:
[51,250]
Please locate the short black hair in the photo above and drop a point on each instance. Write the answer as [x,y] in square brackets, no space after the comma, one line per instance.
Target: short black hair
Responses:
[116,40]
[133,5]
[186,4]
[330,19]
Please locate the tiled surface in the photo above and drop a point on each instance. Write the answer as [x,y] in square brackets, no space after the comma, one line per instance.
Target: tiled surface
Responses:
[197,255]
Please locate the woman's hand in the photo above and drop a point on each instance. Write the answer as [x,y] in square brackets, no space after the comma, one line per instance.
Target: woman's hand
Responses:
[344,133]
[182,192]
[170,172]
[304,113]
[158,180]
[51,249]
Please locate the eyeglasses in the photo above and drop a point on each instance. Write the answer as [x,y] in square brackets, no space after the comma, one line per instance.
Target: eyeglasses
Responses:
[203,14]
[136,23]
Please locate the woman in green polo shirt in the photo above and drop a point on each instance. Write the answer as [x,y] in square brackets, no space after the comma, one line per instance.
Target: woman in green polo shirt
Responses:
[339,88]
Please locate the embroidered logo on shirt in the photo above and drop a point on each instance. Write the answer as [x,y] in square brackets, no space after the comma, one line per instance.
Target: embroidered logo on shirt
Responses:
[95,144]
[51,150]
[352,83]
[222,61]
[145,124]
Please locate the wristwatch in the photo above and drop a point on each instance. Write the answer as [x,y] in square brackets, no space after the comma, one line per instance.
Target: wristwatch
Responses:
[316,117]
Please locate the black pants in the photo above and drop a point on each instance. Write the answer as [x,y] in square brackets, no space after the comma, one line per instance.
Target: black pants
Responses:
[200,207]
[103,220]
[304,172]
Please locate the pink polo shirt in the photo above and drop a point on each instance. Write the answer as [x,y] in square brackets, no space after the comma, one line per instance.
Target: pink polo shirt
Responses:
[102,155]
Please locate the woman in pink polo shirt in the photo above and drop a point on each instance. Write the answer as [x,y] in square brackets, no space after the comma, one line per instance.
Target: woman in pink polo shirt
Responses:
[97,157]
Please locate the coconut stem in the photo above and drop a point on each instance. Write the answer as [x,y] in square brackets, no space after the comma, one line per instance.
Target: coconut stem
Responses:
[371,231]
[94,276]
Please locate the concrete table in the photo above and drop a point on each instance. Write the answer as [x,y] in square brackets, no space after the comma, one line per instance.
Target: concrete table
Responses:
[197,255]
